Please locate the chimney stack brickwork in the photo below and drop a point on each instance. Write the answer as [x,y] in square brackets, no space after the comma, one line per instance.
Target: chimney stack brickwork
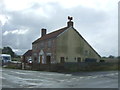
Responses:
[70,23]
[43,32]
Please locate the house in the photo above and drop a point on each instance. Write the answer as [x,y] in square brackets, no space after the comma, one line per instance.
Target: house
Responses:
[63,45]
[27,56]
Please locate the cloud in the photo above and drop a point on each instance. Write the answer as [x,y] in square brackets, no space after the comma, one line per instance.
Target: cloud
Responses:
[15,32]
[3,19]
[23,25]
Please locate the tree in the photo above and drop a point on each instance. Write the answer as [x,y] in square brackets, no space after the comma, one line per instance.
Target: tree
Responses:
[111,56]
[118,57]
[8,50]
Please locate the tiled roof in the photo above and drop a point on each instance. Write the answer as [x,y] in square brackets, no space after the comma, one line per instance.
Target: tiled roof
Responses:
[50,35]
[28,53]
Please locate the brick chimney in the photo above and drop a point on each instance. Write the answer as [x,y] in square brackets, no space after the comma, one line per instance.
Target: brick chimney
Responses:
[70,22]
[43,32]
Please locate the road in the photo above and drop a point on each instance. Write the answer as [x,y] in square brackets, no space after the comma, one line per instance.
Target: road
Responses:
[12,78]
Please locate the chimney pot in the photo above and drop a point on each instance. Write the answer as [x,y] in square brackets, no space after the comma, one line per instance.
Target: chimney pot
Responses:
[43,32]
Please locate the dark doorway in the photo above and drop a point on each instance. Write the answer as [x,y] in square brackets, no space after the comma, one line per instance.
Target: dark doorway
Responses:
[40,59]
[35,60]
[48,59]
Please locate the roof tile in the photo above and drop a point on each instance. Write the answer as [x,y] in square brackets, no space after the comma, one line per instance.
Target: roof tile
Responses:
[28,53]
[50,35]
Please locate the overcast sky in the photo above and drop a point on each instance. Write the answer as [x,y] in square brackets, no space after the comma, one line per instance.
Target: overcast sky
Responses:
[96,21]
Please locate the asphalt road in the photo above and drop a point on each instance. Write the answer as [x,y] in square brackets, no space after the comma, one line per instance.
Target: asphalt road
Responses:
[12,78]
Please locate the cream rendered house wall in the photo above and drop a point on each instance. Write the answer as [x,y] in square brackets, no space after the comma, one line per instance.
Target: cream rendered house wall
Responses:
[70,45]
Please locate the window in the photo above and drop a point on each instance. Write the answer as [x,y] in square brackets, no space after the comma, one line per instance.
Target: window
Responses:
[6,58]
[86,52]
[48,59]
[34,47]
[49,43]
[41,45]
[78,59]
[35,59]
[62,59]
[35,54]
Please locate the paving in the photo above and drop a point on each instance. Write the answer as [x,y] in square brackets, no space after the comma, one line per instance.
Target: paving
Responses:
[13,78]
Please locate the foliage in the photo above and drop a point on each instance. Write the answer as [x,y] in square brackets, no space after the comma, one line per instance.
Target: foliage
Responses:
[118,57]
[16,59]
[111,56]
[0,51]
[8,50]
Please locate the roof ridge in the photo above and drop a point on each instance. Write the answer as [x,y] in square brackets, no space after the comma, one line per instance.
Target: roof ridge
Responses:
[55,31]
[53,34]
[58,30]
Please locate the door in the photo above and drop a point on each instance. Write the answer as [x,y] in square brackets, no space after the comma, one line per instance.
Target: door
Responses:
[48,59]
[40,59]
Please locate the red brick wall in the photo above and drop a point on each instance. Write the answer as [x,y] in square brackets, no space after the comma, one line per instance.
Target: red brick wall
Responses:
[36,48]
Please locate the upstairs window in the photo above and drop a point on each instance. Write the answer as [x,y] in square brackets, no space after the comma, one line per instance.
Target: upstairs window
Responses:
[86,53]
[49,43]
[34,46]
[41,45]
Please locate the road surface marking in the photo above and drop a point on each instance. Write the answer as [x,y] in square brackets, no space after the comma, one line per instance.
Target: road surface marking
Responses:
[68,75]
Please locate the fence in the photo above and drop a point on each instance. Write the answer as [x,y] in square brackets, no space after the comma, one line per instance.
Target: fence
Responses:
[88,66]
[75,67]
[47,67]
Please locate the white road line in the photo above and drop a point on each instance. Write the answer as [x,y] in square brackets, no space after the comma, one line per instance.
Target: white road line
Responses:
[68,75]
[61,80]
[68,81]
[20,73]
[82,77]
